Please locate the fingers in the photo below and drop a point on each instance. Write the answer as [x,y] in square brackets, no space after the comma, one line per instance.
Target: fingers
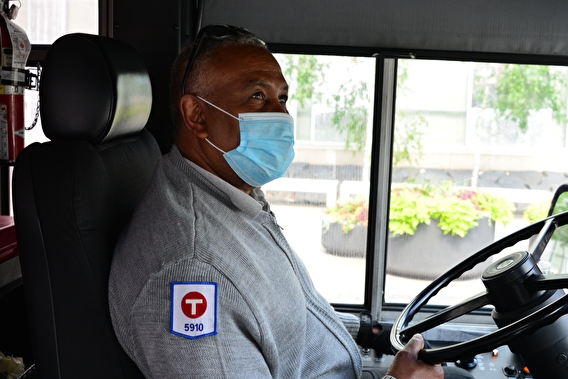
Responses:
[407,365]
[415,344]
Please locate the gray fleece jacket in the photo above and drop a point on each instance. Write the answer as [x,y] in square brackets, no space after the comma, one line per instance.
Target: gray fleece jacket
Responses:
[204,285]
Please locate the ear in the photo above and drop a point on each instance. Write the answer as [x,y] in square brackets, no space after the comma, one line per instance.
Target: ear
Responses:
[192,116]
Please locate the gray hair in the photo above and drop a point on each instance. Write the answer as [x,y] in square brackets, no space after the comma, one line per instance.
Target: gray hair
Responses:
[199,75]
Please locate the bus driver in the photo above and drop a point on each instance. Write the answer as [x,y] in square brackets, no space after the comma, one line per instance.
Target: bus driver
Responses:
[203,283]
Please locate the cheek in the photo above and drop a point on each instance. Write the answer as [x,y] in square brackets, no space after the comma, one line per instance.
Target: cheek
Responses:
[235,137]
[228,135]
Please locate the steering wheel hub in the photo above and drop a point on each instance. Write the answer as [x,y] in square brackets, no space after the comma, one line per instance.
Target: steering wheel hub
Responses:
[505,282]
[508,269]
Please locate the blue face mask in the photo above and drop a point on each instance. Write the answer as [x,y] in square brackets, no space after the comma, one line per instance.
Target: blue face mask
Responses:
[266,148]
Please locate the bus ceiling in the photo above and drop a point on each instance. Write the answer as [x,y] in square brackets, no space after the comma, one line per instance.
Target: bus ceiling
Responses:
[530,28]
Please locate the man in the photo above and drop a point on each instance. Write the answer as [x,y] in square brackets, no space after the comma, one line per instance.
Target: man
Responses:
[203,283]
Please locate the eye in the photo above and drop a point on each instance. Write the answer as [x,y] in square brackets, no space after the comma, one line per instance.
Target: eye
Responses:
[258,95]
[283,99]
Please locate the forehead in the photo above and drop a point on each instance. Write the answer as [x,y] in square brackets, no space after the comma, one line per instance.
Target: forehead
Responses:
[242,64]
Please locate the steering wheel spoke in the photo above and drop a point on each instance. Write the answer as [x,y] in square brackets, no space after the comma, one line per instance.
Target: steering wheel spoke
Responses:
[537,246]
[548,282]
[445,315]
[544,316]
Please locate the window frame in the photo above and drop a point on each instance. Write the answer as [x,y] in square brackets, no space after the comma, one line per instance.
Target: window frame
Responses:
[381,161]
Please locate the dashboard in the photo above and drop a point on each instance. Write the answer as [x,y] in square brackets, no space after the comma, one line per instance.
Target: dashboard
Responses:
[501,363]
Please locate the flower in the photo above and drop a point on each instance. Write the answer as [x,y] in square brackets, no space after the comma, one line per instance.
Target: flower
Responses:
[349,213]
[456,209]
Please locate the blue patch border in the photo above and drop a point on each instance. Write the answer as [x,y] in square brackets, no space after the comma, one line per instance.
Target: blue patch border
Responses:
[214,332]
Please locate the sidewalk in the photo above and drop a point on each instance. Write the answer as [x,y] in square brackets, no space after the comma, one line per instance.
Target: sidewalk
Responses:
[338,279]
[342,279]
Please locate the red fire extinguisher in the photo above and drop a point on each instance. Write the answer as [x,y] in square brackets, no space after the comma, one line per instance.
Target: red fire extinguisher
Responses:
[14,51]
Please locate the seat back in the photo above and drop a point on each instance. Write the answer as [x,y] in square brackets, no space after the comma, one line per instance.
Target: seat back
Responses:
[74,194]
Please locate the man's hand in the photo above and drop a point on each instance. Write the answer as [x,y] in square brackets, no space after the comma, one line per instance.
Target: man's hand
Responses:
[407,366]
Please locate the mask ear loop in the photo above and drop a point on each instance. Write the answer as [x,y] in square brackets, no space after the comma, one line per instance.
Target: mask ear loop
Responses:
[211,143]
[216,107]
[222,110]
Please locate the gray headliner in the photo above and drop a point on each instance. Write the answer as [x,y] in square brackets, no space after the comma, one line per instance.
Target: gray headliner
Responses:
[491,26]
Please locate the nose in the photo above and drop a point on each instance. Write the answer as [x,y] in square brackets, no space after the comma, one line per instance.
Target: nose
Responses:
[276,106]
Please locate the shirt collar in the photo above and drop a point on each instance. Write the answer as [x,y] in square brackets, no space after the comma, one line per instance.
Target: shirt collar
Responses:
[251,204]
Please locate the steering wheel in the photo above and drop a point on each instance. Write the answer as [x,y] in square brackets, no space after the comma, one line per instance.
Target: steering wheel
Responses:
[524,299]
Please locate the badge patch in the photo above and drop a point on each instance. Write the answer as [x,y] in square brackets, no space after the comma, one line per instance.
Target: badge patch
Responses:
[194,309]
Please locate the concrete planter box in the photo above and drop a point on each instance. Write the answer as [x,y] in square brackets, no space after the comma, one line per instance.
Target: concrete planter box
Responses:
[425,255]
[432,253]
[336,242]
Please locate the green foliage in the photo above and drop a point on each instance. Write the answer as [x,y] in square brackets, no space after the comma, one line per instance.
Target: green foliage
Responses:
[349,117]
[561,204]
[456,215]
[561,234]
[522,89]
[408,209]
[456,210]
[536,211]
[500,208]
[307,74]
[408,137]
[408,131]
[349,213]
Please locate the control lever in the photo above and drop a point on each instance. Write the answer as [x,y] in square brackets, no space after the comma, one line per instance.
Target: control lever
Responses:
[467,363]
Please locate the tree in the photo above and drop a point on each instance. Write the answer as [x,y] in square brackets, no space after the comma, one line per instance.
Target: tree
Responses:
[408,131]
[516,91]
[306,74]
[350,117]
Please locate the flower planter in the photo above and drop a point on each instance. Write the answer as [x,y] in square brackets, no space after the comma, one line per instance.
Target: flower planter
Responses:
[336,242]
[424,255]
[429,253]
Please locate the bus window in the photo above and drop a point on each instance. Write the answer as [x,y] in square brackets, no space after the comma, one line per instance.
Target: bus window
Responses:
[479,149]
[331,100]
[44,22]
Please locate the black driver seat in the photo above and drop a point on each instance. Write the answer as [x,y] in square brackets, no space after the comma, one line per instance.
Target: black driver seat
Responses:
[74,194]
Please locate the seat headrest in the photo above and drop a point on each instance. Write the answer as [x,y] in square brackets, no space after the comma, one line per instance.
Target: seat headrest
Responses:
[93,88]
